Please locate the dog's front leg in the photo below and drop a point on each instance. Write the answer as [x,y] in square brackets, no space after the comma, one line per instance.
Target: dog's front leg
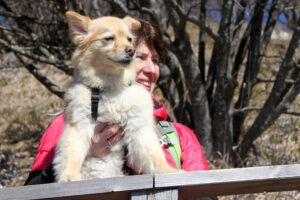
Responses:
[71,151]
[145,153]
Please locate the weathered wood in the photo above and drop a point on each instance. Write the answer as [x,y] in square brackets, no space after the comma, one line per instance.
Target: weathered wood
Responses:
[112,188]
[232,181]
[164,186]
[171,194]
[140,195]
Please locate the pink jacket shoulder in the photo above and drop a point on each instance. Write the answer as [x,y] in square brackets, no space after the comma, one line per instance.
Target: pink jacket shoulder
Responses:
[192,156]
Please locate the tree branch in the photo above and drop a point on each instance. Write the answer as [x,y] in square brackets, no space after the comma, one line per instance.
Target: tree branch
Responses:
[180,11]
[42,79]
[246,109]
[242,14]
[260,80]
[201,43]
[119,6]
[272,56]
[258,108]
[270,25]
[27,18]
[284,105]
[193,6]
[51,60]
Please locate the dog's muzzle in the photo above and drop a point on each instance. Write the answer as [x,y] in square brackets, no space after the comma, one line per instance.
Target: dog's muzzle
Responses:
[125,61]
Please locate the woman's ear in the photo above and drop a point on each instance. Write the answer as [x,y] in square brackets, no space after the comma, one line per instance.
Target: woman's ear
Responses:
[133,24]
[78,26]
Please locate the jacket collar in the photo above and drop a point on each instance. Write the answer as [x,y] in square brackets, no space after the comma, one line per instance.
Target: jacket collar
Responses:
[159,111]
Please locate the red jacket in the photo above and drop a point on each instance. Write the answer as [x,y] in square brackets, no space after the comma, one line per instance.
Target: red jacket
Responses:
[192,155]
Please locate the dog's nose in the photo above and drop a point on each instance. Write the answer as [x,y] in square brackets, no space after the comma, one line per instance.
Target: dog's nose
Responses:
[130,51]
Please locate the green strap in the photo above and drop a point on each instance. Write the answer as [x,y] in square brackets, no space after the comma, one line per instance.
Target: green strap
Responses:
[169,137]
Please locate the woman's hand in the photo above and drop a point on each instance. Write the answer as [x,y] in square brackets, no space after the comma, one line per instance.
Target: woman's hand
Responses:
[105,136]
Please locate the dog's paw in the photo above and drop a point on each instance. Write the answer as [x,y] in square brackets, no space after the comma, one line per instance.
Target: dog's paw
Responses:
[69,176]
[167,169]
[176,171]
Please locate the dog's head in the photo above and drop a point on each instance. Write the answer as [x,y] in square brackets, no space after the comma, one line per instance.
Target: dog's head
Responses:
[105,42]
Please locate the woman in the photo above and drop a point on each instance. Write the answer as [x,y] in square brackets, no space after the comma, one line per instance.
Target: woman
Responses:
[148,52]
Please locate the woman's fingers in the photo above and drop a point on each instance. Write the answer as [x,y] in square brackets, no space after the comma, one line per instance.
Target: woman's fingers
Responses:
[105,136]
[98,132]
[111,131]
[99,127]
[103,131]
[117,137]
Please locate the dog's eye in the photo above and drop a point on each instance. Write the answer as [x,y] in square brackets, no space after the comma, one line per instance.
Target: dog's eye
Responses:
[110,38]
[129,39]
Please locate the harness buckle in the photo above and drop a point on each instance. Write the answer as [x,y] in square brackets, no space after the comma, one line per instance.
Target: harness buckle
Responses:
[95,95]
[165,141]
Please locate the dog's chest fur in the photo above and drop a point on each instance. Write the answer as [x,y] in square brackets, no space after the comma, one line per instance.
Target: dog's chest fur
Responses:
[131,102]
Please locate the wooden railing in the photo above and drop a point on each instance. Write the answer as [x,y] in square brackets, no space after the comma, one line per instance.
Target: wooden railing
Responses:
[167,186]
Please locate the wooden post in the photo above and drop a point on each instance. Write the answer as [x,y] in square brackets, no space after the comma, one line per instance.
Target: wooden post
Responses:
[171,194]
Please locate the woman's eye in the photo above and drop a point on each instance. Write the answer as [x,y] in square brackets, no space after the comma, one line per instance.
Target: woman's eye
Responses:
[155,61]
[110,38]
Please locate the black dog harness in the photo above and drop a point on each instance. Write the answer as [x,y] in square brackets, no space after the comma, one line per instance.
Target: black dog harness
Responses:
[94,102]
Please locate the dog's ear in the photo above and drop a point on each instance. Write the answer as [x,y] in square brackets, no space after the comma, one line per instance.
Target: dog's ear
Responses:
[132,23]
[78,26]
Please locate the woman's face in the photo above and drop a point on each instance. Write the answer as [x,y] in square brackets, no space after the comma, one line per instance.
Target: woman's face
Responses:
[146,66]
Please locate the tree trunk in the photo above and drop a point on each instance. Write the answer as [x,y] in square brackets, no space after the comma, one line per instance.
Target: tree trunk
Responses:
[222,106]
[252,68]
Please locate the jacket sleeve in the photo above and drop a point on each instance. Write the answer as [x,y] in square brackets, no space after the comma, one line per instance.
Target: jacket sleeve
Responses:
[192,156]
[46,150]
[42,170]
[41,176]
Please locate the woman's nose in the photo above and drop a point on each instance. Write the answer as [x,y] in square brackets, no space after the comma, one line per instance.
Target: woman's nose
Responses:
[149,66]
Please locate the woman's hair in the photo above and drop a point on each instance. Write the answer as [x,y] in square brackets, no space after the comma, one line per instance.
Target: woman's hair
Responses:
[151,34]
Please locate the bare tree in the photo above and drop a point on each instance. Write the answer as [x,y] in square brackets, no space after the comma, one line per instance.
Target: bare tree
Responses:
[201,92]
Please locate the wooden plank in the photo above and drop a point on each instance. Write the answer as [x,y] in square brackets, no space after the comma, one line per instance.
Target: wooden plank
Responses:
[232,181]
[112,188]
[190,185]
[170,194]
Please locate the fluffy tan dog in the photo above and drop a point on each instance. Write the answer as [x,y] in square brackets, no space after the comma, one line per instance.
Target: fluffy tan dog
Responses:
[104,60]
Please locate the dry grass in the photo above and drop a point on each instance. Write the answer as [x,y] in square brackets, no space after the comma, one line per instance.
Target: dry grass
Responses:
[25,104]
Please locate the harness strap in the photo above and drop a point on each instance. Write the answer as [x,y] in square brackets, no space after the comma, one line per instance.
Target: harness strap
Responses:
[94,102]
[169,137]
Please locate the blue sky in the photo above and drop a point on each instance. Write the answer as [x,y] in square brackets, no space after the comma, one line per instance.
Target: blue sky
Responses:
[281,22]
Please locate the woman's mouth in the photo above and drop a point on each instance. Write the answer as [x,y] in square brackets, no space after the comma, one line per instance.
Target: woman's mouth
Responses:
[146,84]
